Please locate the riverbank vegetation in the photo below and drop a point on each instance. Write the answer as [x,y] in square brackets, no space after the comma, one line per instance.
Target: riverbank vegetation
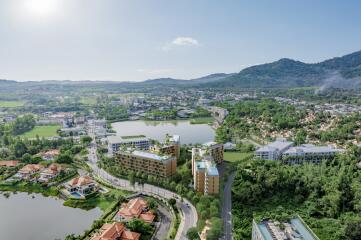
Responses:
[29,188]
[202,120]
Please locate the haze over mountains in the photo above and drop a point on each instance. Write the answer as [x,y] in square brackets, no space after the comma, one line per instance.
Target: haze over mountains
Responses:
[339,72]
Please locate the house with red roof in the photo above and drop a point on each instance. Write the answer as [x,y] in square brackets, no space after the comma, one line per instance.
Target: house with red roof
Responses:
[83,185]
[50,172]
[12,163]
[49,155]
[115,231]
[135,208]
[29,170]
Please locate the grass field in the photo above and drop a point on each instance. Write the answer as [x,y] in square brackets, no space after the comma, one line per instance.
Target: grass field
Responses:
[11,104]
[88,100]
[203,120]
[42,131]
[236,156]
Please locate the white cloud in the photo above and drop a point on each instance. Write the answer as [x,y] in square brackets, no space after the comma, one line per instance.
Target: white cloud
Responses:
[185,41]
[181,41]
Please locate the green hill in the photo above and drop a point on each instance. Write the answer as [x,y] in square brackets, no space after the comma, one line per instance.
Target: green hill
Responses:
[286,73]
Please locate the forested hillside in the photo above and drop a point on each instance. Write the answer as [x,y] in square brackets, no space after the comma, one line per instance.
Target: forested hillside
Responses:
[326,196]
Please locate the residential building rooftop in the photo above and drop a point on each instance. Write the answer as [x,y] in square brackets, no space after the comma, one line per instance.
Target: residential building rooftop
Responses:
[136,208]
[212,171]
[280,144]
[293,229]
[115,231]
[310,148]
[12,163]
[81,181]
[149,155]
[126,139]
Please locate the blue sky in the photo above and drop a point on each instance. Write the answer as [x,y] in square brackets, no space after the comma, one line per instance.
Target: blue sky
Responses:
[132,40]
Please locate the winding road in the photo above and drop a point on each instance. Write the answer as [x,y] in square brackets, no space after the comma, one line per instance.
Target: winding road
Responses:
[227,208]
[190,216]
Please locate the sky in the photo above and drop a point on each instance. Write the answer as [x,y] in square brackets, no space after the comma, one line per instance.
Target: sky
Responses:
[133,40]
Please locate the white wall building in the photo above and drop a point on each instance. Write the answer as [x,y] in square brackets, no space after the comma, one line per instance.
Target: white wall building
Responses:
[285,151]
[309,153]
[274,150]
[115,142]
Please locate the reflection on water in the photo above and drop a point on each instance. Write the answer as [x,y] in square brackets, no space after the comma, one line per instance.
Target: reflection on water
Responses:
[189,133]
[156,123]
[35,217]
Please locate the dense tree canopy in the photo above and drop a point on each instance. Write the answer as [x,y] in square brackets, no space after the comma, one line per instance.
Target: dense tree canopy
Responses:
[323,194]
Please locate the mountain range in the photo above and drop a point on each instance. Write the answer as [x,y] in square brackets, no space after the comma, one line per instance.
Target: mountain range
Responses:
[339,72]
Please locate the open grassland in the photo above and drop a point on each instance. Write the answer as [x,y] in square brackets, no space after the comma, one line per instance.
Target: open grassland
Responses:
[236,156]
[11,104]
[88,100]
[42,131]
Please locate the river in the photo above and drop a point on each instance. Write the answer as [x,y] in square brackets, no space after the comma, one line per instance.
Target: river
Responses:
[189,133]
[23,216]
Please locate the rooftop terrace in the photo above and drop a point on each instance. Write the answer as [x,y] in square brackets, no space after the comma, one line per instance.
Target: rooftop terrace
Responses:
[151,155]
[290,230]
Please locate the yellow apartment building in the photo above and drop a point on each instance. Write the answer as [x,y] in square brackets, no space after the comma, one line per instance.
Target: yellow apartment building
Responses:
[147,162]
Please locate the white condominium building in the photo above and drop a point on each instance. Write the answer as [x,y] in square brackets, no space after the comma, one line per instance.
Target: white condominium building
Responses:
[309,153]
[274,150]
[285,151]
[115,142]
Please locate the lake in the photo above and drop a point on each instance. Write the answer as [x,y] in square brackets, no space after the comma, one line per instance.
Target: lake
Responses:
[189,133]
[41,218]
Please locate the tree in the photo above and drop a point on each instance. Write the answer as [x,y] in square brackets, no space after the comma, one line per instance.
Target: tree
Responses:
[216,230]
[64,158]
[353,230]
[22,124]
[26,158]
[192,233]
[172,202]
[71,237]
[137,225]
[153,204]
[300,137]
[131,178]
[86,140]
[19,148]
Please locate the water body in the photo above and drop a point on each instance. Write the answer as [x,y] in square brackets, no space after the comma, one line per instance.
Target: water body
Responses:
[189,133]
[41,218]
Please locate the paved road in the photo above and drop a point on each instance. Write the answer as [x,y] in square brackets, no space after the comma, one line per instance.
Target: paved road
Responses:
[164,225]
[189,212]
[227,208]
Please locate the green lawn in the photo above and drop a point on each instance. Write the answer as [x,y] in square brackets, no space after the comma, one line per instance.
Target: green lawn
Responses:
[11,104]
[88,100]
[236,156]
[100,200]
[42,131]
